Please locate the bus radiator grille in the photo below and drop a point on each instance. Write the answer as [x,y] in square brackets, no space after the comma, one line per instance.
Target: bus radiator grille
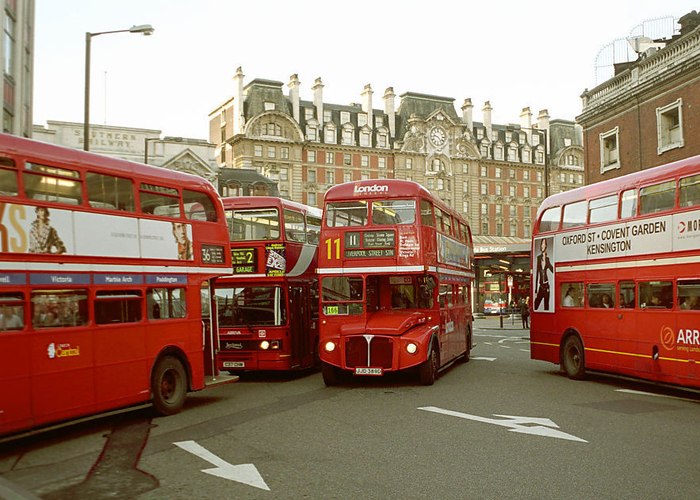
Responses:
[380,355]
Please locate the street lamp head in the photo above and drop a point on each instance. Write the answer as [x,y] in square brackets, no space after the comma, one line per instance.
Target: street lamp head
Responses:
[146,29]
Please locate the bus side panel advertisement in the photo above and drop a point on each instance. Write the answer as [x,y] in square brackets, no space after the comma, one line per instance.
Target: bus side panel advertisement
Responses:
[28,229]
[543,275]
[275,261]
[453,252]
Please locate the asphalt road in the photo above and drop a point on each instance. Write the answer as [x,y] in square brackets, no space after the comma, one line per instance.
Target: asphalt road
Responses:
[501,426]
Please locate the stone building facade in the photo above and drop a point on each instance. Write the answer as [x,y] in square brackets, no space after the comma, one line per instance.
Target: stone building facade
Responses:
[645,115]
[192,156]
[17,54]
[495,174]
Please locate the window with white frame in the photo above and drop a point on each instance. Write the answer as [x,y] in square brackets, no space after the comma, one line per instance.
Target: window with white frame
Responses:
[571,179]
[311,176]
[498,172]
[499,229]
[509,136]
[330,135]
[431,182]
[484,171]
[364,176]
[465,206]
[526,175]
[347,159]
[409,177]
[539,176]
[364,161]
[269,106]
[344,117]
[347,176]
[284,174]
[562,177]
[409,163]
[347,135]
[511,191]
[382,162]
[499,189]
[539,157]
[669,126]
[465,186]
[513,229]
[381,175]
[379,122]
[311,198]
[539,192]
[484,151]
[330,158]
[330,176]
[535,139]
[311,133]
[479,133]
[526,191]
[484,189]
[271,152]
[440,184]
[327,116]
[364,139]
[308,113]
[498,152]
[609,150]
[526,156]
[484,228]
[311,155]
[382,141]
[499,209]
[258,150]
[513,154]
[284,153]
[361,119]
[580,178]
[484,209]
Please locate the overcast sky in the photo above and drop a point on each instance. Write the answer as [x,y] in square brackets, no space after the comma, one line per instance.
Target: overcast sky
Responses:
[512,53]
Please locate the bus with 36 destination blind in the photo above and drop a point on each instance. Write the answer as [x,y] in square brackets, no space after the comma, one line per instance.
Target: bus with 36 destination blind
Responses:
[395,265]
[616,277]
[106,279]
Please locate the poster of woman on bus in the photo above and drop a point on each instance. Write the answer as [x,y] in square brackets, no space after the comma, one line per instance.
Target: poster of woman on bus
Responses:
[543,301]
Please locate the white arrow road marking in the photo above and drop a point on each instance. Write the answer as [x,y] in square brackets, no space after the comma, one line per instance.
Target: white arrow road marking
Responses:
[537,426]
[246,473]
[483,359]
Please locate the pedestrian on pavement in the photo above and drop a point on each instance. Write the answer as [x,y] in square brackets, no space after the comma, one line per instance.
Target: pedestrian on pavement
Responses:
[525,312]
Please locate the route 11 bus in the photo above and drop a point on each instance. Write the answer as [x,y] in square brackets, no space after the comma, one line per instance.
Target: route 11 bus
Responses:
[105,278]
[616,277]
[268,307]
[396,266]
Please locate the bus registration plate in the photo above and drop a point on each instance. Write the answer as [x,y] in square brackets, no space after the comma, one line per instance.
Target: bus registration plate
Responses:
[368,371]
[234,364]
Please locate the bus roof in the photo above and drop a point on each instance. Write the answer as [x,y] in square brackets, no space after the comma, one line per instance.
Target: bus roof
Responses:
[653,175]
[268,201]
[32,150]
[376,188]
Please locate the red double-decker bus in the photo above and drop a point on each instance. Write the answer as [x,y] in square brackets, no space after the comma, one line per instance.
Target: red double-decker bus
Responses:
[105,278]
[616,276]
[268,307]
[396,267]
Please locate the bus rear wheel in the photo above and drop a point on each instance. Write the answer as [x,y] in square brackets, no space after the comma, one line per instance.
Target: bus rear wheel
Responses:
[169,386]
[573,358]
[465,358]
[428,370]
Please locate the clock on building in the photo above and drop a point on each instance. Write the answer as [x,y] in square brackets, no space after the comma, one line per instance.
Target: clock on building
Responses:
[438,136]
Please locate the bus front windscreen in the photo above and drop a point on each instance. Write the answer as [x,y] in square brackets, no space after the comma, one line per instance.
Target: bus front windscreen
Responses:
[391,212]
[253,225]
[342,295]
[251,306]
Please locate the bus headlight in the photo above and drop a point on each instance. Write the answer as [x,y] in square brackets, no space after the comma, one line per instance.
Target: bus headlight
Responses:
[330,346]
[264,345]
[411,348]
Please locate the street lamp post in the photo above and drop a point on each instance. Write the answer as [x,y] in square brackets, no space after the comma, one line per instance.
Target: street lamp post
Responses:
[146,29]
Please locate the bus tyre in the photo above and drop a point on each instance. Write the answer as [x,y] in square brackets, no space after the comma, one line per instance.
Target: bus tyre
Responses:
[169,386]
[573,358]
[330,374]
[465,358]
[428,370]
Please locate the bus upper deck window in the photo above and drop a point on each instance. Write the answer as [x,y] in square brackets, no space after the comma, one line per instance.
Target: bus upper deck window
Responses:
[628,205]
[160,200]
[389,212]
[690,191]
[346,213]
[574,215]
[426,213]
[602,209]
[550,219]
[657,198]
[8,177]
[294,229]
[60,185]
[313,229]
[11,311]
[198,206]
[113,193]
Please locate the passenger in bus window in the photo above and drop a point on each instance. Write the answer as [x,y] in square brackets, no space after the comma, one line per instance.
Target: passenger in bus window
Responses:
[569,298]
[607,301]
[42,237]
[690,302]
[9,319]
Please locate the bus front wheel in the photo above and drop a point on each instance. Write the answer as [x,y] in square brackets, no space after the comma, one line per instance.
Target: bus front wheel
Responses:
[428,370]
[573,358]
[169,386]
[331,374]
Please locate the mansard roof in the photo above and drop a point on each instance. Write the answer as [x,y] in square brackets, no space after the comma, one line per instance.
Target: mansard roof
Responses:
[260,91]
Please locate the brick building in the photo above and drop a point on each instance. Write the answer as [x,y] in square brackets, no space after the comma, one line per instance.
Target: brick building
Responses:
[645,115]
[495,174]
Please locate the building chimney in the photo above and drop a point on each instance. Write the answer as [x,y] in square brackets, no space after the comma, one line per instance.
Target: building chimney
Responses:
[578,129]
[543,124]
[367,104]
[487,119]
[238,118]
[689,22]
[526,123]
[318,99]
[294,95]
[389,109]
[468,114]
